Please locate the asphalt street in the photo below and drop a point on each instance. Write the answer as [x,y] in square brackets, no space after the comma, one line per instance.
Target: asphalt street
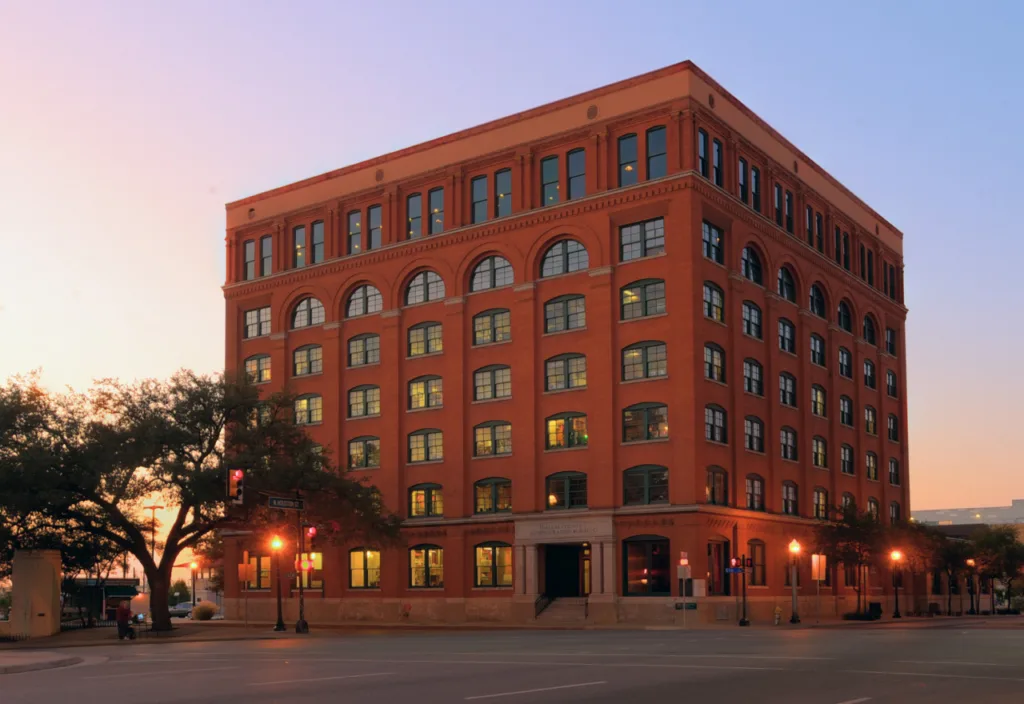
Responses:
[841,666]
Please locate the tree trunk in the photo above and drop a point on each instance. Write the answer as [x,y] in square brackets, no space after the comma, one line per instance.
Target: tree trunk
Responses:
[1009,595]
[159,587]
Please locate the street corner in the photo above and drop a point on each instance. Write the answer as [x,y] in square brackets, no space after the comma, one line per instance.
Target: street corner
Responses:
[12,663]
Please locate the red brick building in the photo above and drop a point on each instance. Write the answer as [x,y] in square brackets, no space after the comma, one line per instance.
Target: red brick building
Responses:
[570,345]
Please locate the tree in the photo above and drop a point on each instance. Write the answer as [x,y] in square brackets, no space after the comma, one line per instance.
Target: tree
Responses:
[852,538]
[953,555]
[88,463]
[209,552]
[919,545]
[181,592]
[1000,556]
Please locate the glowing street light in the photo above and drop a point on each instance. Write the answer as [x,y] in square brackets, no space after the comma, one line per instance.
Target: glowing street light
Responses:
[276,544]
[794,551]
[194,566]
[896,556]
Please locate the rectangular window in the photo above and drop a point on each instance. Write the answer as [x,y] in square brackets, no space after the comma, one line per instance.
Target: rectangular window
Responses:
[871,268]
[299,246]
[755,188]
[778,205]
[435,201]
[257,322]
[702,152]
[317,251]
[819,226]
[716,162]
[425,340]
[503,193]
[627,160]
[863,264]
[657,153]
[789,212]
[260,565]
[249,262]
[565,314]
[838,247]
[549,181]
[478,190]
[312,576]
[890,341]
[414,216]
[492,383]
[364,350]
[742,174]
[846,251]
[364,569]
[577,165]
[373,215]
[266,255]
[355,232]
[810,226]
[642,239]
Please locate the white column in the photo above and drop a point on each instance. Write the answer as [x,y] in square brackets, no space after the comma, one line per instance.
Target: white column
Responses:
[608,563]
[596,563]
[532,581]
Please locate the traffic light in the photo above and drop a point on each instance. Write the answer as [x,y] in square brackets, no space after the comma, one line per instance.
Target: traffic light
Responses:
[236,486]
[734,562]
[310,532]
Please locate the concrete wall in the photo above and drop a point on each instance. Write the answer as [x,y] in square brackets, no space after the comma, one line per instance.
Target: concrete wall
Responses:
[35,598]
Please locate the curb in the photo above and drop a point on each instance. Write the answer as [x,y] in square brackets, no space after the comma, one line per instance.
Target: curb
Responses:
[36,666]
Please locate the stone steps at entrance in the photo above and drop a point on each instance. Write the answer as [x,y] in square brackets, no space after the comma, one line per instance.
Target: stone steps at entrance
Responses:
[564,610]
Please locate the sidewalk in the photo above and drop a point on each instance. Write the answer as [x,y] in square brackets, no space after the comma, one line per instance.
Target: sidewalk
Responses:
[30,661]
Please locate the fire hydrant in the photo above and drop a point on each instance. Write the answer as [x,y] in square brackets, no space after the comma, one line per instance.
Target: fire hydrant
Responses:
[778,615]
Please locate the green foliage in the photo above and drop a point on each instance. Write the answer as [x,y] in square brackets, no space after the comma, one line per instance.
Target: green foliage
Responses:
[203,611]
[180,591]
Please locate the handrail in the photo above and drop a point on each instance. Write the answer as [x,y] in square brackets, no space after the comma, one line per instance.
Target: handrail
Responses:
[540,604]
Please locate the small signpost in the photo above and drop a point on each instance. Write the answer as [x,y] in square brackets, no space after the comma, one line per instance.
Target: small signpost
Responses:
[284,504]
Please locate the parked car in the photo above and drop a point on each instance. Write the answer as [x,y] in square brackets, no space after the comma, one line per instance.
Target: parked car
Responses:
[180,611]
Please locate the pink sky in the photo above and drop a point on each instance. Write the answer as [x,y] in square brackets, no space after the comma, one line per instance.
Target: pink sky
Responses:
[125,127]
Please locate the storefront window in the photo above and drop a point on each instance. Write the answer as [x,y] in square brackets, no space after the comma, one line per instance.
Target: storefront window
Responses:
[647,565]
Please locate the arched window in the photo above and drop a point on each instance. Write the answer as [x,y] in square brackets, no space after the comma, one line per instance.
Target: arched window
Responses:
[364,349]
[894,428]
[492,382]
[869,330]
[642,298]
[790,499]
[753,377]
[817,350]
[755,493]
[644,421]
[756,554]
[873,507]
[426,445]
[566,371]
[647,360]
[871,466]
[712,244]
[870,380]
[751,320]
[426,501]
[424,286]
[891,387]
[786,286]
[566,490]
[846,411]
[821,503]
[566,430]
[787,443]
[565,313]
[364,452]
[425,338]
[257,369]
[714,362]
[492,326]
[753,434]
[364,401]
[714,302]
[818,405]
[894,471]
[819,452]
[787,389]
[309,409]
[817,301]
[895,516]
[492,495]
[750,265]
[492,438]
[714,424]
[426,567]
[845,317]
[426,392]
[645,485]
[492,272]
[646,566]
[717,487]
[364,300]
[787,336]
[846,460]
[308,359]
[845,363]
[307,312]
[493,565]
[849,504]
[564,257]
[363,568]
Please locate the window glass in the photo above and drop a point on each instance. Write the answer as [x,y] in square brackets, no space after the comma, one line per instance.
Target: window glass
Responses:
[627,160]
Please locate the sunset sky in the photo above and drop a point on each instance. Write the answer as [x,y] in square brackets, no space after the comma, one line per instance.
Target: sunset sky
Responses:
[126,126]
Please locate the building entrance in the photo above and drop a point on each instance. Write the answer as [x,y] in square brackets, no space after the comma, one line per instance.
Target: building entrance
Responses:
[566,571]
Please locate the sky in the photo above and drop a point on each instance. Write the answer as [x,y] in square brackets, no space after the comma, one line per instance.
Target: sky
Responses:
[125,127]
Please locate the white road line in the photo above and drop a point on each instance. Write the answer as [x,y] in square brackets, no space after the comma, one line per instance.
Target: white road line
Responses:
[856,701]
[550,664]
[158,673]
[532,691]
[634,654]
[320,679]
[953,662]
[935,674]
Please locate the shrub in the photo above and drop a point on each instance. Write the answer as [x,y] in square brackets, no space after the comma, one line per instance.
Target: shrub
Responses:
[203,611]
[853,616]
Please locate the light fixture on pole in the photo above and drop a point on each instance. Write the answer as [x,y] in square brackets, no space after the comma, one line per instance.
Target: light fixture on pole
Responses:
[896,556]
[794,551]
[194,566]
[971,564]
[276,544]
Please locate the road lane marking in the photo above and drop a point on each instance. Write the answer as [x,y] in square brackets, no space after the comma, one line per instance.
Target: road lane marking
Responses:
[549,664]
[152,673]
[635,654]
[952,662]
[856,701]
[532,691]
[320,679]
[936,674]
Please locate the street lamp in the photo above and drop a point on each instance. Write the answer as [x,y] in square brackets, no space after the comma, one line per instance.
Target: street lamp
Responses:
[276,544]
[971,564]
[194,566]
[794,551]
[896,556]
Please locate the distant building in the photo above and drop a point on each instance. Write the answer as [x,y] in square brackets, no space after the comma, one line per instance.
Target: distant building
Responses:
[1014,513]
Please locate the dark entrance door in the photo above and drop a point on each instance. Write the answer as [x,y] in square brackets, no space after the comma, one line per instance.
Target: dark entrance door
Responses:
[562,570]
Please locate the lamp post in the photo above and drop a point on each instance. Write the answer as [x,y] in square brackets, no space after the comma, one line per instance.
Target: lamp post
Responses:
[794,551]
[194,566]
[896,556]
[971,564]
[152,538]
[276,544]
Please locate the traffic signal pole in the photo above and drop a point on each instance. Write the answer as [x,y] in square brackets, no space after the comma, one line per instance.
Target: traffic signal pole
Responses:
[301,626]
[743,578]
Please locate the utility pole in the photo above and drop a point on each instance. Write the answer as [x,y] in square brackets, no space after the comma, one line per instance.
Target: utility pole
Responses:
[301,626]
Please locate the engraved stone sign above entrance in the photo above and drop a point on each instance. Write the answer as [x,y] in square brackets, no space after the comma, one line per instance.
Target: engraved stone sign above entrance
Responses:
[584,529]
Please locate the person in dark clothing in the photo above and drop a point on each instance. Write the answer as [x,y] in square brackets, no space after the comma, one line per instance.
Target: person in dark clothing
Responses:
[123,616]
